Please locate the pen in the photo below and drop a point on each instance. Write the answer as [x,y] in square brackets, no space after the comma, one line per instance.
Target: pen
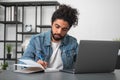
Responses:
[40,56]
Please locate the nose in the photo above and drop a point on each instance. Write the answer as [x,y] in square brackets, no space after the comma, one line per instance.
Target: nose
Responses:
[59,31]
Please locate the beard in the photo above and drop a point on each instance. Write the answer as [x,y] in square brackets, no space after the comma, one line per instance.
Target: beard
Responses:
[56,37]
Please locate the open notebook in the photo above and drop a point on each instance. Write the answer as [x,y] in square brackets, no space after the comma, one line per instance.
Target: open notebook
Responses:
[31,67]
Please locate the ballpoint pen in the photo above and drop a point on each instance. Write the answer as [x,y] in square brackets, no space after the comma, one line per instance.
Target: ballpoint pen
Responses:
[41,57]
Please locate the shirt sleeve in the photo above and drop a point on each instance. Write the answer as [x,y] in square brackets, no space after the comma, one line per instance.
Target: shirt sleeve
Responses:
[29,52]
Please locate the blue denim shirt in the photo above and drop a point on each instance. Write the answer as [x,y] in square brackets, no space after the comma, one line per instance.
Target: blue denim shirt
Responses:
[39,47]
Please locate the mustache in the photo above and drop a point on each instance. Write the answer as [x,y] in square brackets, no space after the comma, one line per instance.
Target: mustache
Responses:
[58,34]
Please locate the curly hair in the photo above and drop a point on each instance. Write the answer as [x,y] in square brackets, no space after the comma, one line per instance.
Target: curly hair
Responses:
[66,13]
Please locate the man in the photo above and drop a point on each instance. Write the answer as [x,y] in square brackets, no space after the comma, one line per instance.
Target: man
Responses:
[55,49]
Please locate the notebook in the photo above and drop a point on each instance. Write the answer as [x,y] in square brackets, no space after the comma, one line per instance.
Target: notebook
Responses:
[32,67]
[95,56]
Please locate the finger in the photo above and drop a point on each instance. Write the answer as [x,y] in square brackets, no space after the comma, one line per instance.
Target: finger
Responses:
[43,63]
[39,61]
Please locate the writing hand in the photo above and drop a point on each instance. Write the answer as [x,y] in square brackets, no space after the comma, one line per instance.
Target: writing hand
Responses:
[43,63]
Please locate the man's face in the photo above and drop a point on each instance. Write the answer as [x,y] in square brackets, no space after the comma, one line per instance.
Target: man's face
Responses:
[59,29]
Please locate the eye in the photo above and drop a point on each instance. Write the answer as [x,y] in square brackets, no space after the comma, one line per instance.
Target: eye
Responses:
[65,29]
[57,26]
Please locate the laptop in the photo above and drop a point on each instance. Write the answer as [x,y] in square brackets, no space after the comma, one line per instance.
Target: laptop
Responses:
[95,56]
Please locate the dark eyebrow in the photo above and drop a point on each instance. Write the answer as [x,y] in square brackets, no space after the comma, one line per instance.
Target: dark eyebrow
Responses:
[60,26]
[66,28]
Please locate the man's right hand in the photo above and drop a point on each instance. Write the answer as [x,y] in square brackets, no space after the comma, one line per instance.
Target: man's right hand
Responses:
[43,63]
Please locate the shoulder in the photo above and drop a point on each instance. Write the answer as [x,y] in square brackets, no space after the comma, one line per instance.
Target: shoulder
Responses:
[40,35]
[41,38]
[71,38]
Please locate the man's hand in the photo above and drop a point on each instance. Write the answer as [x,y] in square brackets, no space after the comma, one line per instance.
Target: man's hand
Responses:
[43,63]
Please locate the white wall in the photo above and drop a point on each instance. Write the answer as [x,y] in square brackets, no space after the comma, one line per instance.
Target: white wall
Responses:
[98,19]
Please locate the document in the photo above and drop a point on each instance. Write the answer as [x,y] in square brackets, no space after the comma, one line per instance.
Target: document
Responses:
[29,70]
[32,66]
[29,63]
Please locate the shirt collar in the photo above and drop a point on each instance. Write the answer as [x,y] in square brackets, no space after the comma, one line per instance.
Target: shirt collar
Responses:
[48,38]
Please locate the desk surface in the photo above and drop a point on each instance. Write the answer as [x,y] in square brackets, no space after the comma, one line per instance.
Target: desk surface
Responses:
[9,75]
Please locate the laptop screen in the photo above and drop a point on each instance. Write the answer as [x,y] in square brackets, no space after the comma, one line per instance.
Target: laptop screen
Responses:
[96,56]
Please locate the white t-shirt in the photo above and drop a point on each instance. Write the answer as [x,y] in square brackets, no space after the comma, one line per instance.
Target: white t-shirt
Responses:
[56,60]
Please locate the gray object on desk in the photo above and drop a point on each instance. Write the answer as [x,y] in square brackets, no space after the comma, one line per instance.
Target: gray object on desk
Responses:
[9,75]
[96,56]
